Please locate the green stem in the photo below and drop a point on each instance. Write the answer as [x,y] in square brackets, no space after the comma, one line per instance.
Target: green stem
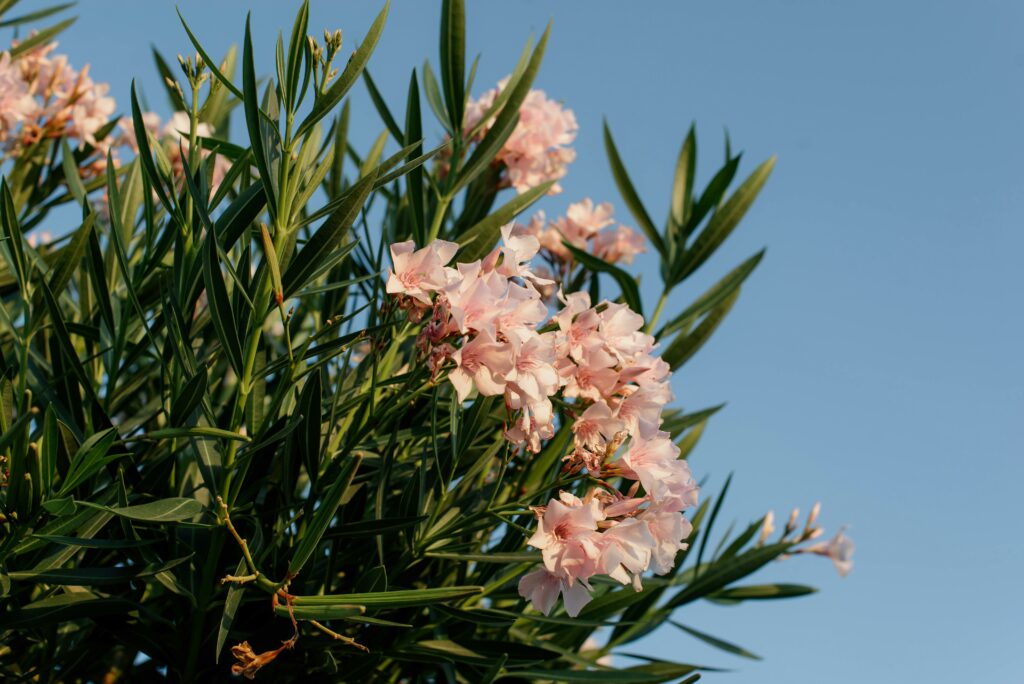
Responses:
[657,312]
[435,226]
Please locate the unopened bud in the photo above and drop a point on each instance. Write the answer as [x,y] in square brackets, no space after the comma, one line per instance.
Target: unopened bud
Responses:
[768,526]
[791,523]
[813,517]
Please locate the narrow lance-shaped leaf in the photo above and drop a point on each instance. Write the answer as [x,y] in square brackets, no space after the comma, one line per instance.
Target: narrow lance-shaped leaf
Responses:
[726,218]
[453,59]
[629,193]
[221,312]
[310,539]
[250,103]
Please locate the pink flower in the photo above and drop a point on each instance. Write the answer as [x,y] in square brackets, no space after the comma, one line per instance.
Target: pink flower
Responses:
[641,412]
[620,244]
[533,377]
[669,530]
[534,424]
[476,298]
[567,537]
[587,218]
[656,464]
[482,363]
[417,273]
[16,104]
[541,588]
[596,427]
[626,550]
[538,148]
[840,549]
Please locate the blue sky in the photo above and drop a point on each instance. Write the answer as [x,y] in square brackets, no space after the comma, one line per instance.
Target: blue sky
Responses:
[873,361]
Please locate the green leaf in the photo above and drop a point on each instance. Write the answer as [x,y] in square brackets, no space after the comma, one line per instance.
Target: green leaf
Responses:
[641,674]
[89,460]
[328,237]
[726,218]
[714,296]
[336,611]
[382,107]
[685,345]
[310,539]
[189,398]
[478,240]
[763,592]
[41,38]
[716,642]
[174,509]
[337,90]
[92,577]
[627,284]
[401,598]
[31,16]
[414,180]
[629,194]
[221,311]
[199,431]
[725,572]
[453,59]
[62,608]
[682,184]
[250,103]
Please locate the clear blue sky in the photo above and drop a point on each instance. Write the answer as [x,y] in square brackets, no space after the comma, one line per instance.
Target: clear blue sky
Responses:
[873,362]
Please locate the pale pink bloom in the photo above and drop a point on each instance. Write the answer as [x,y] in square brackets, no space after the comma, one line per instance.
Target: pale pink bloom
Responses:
[620,331]
[417,273]
[568,538]
[521,308]
[840,549]
[579,323]
[476,298]
[16,103]
[533,377]
[520,246]
[626,551]
[624,506]
[588,218]
[534,424]
[538,148]
[656,464]
[641,412]
[595,377]
[542,588]
[621,244]
[482,363]
[90,109]
[669,529]
[596,427]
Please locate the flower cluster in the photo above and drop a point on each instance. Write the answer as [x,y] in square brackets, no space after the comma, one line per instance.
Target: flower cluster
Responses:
[483,326]
[43,96]
[538,149]
[589,227]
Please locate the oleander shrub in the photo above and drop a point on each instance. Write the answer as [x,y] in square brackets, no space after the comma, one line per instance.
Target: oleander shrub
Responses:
[284,404]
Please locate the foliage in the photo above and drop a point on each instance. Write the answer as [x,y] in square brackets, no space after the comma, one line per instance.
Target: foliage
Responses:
[218,435]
